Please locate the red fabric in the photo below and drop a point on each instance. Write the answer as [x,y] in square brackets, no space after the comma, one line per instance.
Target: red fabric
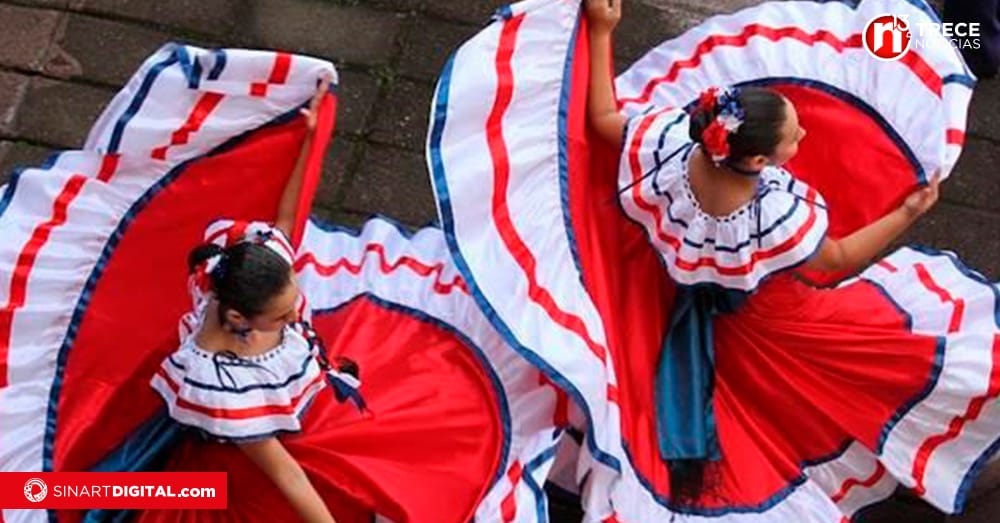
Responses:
[130,323]
[435,426]
[251,497]
[849,159]
[423,387]
[325,125]
[716,139]
[109,165]
[279,73]
[841,360]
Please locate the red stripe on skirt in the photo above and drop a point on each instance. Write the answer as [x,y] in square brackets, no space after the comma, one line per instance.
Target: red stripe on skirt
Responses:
[972,412]
[501,210]
[958,305]
[199,113]
[868,482]
[915,62]
[18,292]
[508,507]
[955,137]
[413,264]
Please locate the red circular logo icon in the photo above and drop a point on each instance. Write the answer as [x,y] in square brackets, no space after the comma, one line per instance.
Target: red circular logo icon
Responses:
[887,37]
[35,490]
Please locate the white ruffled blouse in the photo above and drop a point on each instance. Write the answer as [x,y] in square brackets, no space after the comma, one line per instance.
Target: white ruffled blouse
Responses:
[782,227]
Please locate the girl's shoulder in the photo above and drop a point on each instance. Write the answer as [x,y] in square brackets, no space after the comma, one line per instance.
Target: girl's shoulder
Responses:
[782,226]
[236,397]
[780,191]
[657,133]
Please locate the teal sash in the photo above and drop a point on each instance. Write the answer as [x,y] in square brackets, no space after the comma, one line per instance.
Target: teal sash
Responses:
[686,375]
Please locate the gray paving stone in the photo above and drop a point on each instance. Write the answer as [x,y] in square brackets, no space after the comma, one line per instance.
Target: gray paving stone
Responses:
[60,64]
[976,180]
[324,214]
[12,90]
[901,509]
[87,40]
[14,155]
[984,497]
[983,510]
[400,6]
[335,167]
[353,34]
[476,12]
[356,96]
[26,35]
[706,6]
[429,45]
[969,233]
[984,113]
[5,171]
[59,113]
[349,219]
[211,17]
[644,27]
[563,510]
[56,4]
[402,119]
[392,182]
[340,218]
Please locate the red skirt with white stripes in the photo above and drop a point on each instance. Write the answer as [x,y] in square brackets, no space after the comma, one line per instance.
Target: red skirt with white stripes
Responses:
[93,279]
[826,396]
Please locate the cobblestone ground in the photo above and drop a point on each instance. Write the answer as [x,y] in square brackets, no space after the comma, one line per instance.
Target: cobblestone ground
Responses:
[62,60]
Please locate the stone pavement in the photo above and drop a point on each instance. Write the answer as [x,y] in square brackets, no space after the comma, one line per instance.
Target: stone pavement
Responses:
[62,60]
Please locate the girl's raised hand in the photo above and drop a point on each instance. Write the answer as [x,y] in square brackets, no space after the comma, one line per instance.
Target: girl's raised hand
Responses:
[921,200]
[604,15]
[312,112]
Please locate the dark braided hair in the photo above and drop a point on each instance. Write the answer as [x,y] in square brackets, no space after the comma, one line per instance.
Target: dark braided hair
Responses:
[760,133]
[247,279]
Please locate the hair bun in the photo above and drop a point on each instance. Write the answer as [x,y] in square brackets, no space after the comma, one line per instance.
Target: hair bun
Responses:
[701,118]
[736,123]
[201,254]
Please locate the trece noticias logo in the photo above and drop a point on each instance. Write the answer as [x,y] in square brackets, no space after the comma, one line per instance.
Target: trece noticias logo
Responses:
[887,37]
[35,490]
[890,37]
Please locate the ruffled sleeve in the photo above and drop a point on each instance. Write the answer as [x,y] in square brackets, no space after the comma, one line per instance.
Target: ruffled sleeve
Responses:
[651,143]
[782,227]
[234,398]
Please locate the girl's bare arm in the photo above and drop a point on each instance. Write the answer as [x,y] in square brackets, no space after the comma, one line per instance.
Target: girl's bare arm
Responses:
[855,251]
[290,198]
[603,17]
[286,473]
